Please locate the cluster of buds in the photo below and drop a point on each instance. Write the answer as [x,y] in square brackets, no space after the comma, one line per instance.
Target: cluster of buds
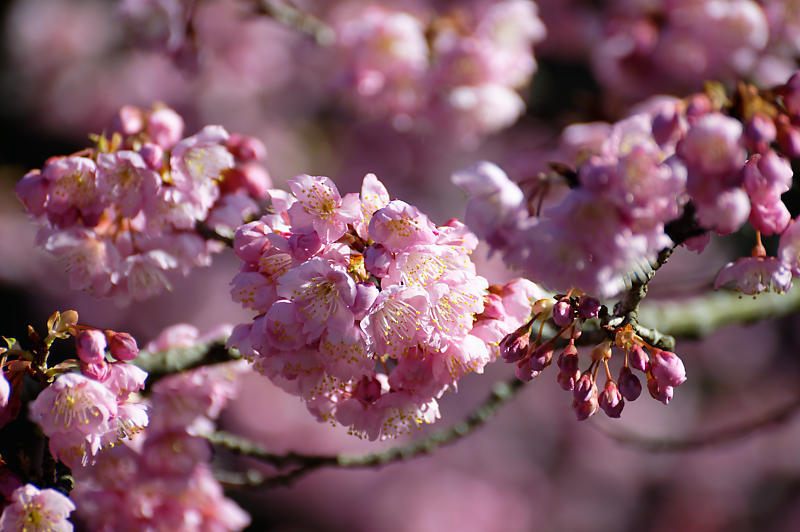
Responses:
[367,310]
[663,369]
[123,214]
[84,411]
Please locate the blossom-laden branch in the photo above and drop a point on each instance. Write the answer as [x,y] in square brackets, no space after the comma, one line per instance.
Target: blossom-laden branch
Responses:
[302,464]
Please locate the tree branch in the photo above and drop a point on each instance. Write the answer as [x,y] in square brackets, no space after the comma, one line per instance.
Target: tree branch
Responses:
[777,416]
[290,16]
[502,392]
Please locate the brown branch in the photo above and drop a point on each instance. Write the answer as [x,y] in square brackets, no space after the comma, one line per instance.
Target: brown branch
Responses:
[778,416]
[290,16]
[303,464]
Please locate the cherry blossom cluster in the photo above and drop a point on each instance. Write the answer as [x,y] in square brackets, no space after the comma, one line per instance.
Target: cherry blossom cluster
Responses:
[461,68]
[85,412]
[122,216]
[642,48]
[525,347]
[161,479]
[367,310]
[35,510]
[722,162]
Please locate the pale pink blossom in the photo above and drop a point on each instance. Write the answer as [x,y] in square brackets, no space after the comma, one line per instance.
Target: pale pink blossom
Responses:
[319,206]
[34,510]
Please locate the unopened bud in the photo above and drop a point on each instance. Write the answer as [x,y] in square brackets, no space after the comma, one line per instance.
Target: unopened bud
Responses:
[525,371]
[629,385]
[585,409]
[588,307]
[562,313]
[657,391]
[668,368]
[377,260]
[122,345]
[637,358]
[567,380]
[611,400]
[303,246]
[91,346]
[584,388]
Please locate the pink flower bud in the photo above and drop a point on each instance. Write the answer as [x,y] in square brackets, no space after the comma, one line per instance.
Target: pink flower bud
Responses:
[515,346]
[153,155]
[585,409]
[658,391]
[788,138]
[377,260]
[567,379]
[246,148]
[542,356]
[611,400]
[562,313]
[128,121]
[667,126]
[493,307]
[637,358]
[584,388]
[760,132]
[568,359]
[165,127]
[629,385]
[525,371]
[668,368]
[588,307]
[91,346]
[122,345]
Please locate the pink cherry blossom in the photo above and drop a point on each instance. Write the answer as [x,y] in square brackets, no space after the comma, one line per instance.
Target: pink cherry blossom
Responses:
[35,510]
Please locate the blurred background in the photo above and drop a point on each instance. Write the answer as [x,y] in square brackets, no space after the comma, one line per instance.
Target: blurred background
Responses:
[68,65]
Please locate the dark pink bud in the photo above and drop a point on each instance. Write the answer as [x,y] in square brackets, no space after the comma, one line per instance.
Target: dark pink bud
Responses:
[562,313]
[91,346]
[377,260]
[629,385]
[588,307]
[568,380]
[525,371]
[153,155]
[699,105]
[585,409]
[568,359]
[788,138]
[122,345]
[637,358]
[246,148]
[542,356]
[666,126]
[303,246]
[658,391]
[32,192]
[368,390]
[668,368]
[611,400]
[515,346]
[366,293]
[759,133]
[584,388]
[790,94]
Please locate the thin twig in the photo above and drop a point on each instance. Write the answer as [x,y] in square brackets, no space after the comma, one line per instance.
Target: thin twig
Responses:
[777,416]
[290,16]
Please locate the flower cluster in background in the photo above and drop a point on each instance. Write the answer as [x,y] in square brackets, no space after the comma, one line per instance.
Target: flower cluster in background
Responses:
[726,161]
[122,216]
[458,70]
